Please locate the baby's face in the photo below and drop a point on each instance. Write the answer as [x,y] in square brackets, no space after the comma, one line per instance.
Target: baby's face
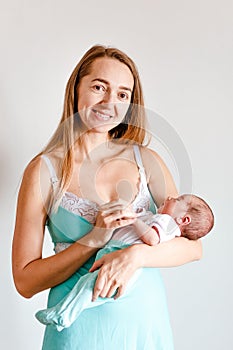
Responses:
[176,207]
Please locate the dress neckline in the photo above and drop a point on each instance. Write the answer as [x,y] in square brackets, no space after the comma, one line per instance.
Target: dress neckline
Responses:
[89,201]
[142,186]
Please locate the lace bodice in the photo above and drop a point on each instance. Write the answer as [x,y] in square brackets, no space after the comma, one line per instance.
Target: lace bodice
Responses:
[89,209]
[80,206]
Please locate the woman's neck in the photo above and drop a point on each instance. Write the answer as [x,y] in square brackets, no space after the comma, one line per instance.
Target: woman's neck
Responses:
[90,142]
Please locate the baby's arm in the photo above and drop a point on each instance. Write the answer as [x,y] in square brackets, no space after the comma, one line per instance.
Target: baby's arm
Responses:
[154,229]
[149,235]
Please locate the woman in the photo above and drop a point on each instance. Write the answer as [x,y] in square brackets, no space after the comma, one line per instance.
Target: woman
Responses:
[90,164]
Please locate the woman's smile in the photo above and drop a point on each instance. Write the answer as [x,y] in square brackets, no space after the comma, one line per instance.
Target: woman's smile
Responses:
[104,95]
[102,115]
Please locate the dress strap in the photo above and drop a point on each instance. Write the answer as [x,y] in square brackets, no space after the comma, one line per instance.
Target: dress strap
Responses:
[53,175]
[138,159]
[142,173]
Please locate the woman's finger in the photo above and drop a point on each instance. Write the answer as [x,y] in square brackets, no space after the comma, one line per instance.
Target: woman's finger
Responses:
[110,287]
[120,215]
[107,209]
[97,264]
[112,290]
[101,285]
[114,205]
[98,288]
[117,208]
[120,292]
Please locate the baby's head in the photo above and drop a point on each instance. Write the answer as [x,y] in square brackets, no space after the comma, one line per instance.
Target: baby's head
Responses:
[193,215]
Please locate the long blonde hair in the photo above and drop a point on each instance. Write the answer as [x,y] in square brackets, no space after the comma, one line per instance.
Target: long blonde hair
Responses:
[132,128]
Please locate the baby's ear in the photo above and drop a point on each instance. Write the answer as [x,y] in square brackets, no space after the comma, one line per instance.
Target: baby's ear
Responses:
[186,220]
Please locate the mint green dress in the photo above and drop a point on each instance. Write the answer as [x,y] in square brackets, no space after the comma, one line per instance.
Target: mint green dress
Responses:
[138,321]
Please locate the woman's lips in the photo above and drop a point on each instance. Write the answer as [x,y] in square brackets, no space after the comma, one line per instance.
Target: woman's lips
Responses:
[101,116]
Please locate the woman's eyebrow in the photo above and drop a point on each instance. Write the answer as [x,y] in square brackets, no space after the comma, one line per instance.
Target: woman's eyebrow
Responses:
[107,83]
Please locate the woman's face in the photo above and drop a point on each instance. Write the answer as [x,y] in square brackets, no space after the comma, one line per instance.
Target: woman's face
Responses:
[105,94]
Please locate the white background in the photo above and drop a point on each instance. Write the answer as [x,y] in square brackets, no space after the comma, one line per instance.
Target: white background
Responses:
[184,52]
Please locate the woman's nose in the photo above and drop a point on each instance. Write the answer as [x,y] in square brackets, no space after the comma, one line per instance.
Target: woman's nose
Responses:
[109,97]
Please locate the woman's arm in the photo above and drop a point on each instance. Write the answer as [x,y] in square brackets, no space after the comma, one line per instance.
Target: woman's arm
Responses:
[117,268]
[175,252]
[31,273]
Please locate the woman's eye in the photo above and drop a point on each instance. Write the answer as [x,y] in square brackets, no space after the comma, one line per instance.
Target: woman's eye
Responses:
[99,88]
[123,96]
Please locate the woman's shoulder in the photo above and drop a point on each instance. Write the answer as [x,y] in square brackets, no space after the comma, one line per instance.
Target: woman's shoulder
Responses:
[149,156]
[34,185]
[33,168]
[37,171]
[38,164]
[153,164]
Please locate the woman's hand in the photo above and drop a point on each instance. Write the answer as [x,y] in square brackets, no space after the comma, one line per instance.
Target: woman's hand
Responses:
[116,269]
[111,215]
[115,214]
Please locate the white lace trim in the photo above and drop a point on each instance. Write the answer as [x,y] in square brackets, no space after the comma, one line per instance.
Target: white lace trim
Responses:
[80,206]
[142,200]
[88,209]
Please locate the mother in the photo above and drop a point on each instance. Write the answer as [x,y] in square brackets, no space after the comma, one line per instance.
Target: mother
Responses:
[89,161]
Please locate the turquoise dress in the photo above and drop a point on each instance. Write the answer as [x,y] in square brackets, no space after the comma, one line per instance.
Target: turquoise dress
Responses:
[139,321]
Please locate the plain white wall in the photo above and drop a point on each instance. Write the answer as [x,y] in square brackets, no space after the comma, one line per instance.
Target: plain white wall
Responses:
[183,50]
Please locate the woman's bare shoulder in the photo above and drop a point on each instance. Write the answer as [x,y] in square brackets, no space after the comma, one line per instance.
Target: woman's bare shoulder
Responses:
[151,159]
[38,167]
[149,153]
[36,180]
[33,169]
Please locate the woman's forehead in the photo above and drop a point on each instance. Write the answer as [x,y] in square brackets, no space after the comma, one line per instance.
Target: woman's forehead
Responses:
[110,69]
